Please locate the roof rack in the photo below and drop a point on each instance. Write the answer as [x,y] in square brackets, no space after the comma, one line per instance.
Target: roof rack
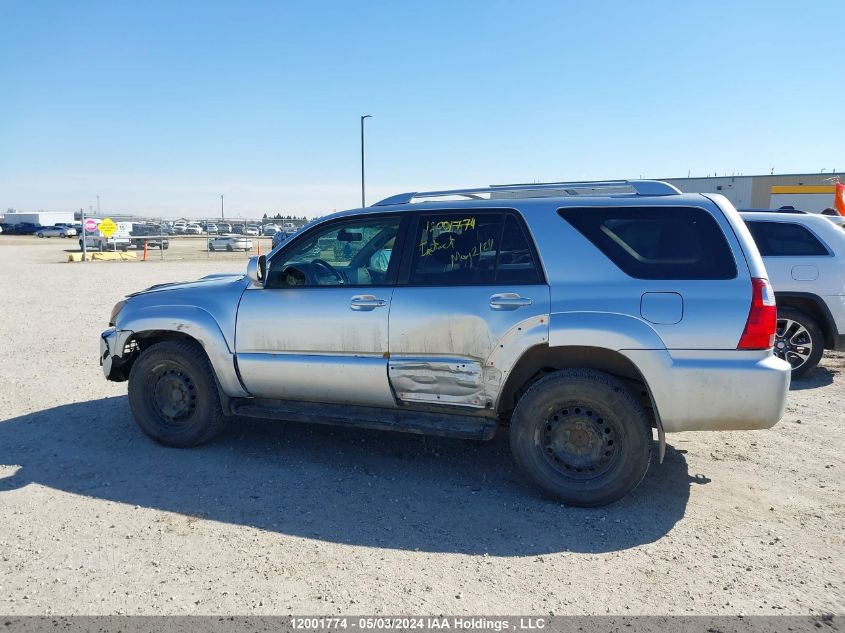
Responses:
[550,189]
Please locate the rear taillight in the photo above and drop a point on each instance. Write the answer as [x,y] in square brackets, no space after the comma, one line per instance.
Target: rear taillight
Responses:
[760,328]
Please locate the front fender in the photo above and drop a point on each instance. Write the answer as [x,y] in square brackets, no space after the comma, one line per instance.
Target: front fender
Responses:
[192,322]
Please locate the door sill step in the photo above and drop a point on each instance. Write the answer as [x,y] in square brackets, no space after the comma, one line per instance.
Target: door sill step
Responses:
[471,427]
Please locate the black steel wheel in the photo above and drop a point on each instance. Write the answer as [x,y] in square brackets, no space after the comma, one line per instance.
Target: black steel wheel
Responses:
[582,436]
[173,394]
[798,340]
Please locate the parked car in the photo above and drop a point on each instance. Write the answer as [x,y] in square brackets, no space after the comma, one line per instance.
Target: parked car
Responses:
[251,229]
[211,228]
[97,242]
[25,228]
[224,227]
[149,234]
[238,228]
[804,254]
[179,227]
[56,231]
[278,238]
[193,229]
[230,243]
[582,321]
[269,229]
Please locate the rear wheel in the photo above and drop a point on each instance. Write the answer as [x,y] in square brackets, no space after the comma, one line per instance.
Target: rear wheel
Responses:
[40,234]
[798,340]
[229,248]
[211,247]
[582,436]
[173,394]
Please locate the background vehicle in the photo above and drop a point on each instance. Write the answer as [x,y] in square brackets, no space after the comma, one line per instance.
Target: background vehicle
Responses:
[25,228]
[238,228]
[804,255]
[149,234]
[278,238]
[251,229]
[56,231]
[269,229]
[211,228]
[224,227]
[582,320]
[193,229]
[230,243]
[98,242]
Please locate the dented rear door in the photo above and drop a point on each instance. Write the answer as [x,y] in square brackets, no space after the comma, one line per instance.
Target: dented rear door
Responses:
[471,300]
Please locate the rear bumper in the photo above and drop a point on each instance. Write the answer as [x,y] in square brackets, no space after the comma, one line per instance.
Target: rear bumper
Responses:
[715,391]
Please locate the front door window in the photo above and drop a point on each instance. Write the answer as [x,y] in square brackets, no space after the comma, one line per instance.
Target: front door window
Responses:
[354,253]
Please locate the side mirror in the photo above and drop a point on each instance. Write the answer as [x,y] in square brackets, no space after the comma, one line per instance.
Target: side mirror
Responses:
[256,270]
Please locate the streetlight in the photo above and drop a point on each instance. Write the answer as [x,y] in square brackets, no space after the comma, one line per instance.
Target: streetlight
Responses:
[365,116]
[221,208]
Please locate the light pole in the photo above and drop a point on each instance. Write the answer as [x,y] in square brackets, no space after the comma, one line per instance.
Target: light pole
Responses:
[98,205]
[221,208]
[363,197]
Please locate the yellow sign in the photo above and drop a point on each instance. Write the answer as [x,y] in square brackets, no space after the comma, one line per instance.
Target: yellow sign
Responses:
[108,227]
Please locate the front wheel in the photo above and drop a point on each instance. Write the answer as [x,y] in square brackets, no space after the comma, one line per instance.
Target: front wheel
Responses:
[40,235]
[798,340]
[582,436]
[173,394]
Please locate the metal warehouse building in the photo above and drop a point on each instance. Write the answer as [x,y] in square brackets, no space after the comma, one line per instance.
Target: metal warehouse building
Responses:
[807,192]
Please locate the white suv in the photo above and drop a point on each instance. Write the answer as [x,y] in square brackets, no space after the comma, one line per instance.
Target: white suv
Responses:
[804,255]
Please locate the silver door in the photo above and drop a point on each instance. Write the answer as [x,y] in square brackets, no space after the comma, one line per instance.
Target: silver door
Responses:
[318,331]
[316,344]
[468,310]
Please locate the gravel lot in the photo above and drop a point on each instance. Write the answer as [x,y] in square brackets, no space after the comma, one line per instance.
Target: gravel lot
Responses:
[273,518]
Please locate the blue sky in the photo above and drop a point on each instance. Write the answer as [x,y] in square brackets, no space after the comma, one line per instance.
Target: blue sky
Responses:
[160,107]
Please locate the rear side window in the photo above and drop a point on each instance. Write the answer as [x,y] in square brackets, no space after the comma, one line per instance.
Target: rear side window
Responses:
[461,248]
[784,239]
[657,242]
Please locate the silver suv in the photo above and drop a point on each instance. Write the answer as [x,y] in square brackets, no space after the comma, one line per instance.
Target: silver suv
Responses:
[581,315]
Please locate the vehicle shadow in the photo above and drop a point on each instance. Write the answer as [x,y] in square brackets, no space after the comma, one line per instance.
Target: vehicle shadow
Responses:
[377,489]
[817,377]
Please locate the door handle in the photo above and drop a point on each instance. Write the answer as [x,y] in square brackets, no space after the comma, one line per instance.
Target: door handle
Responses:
[366,302]
[509,301]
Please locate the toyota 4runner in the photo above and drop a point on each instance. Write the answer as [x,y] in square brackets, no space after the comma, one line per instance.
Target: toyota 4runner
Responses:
[581,315]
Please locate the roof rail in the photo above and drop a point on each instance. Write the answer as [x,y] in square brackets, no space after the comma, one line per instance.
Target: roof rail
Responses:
[640,187]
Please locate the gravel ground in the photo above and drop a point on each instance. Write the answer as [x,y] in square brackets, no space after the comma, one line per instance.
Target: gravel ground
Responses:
[273,518]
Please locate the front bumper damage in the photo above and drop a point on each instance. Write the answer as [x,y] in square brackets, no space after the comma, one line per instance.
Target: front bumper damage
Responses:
[116,355]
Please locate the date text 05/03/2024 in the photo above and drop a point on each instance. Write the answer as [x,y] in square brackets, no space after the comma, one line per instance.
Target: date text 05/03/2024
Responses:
[459,623]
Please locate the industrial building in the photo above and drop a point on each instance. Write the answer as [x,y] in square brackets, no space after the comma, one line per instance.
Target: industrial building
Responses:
[806,192]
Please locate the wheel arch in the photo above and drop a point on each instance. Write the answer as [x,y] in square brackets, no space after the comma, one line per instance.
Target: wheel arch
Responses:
[151,325]
[541,360]
[814,306]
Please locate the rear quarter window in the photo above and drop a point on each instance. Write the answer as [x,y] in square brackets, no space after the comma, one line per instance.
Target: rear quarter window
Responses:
[657,242]
[785,239]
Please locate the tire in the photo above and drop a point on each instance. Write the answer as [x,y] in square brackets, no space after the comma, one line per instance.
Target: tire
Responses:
[173,395]
[613,437]
[229,248]
[41,235]
[799,340]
